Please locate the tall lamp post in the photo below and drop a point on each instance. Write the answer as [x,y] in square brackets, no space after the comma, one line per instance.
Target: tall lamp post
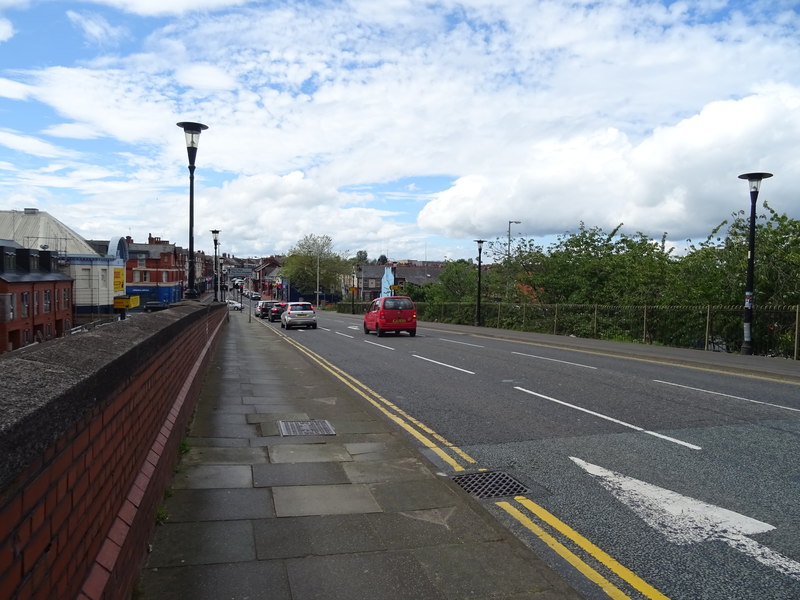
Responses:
[478,296]
[754,182]
[215,234]
[192,132]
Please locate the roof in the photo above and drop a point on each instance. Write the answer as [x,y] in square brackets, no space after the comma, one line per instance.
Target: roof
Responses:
[34,228]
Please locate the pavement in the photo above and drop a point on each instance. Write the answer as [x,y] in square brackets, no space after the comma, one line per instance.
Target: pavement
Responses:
[256,513]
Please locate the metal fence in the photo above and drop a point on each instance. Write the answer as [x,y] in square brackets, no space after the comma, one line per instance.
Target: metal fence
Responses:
[775,329]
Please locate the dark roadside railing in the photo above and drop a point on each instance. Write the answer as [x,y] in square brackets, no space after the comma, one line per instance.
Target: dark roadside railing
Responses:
[775,330]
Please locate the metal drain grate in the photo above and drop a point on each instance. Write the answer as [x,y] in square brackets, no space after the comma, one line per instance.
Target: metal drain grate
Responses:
[306,428]
[490,484]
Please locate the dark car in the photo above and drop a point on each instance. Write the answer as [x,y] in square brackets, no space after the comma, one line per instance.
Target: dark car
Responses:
[276,311]
[263,306]
[154,305]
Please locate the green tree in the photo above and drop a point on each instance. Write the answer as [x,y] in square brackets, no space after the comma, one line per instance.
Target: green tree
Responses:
[311,256]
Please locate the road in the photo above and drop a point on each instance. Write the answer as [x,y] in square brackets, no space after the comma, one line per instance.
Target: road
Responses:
[645,479]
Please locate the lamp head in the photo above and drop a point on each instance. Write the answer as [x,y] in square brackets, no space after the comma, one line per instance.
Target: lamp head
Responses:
[192,133]
[754,179]
[215,234]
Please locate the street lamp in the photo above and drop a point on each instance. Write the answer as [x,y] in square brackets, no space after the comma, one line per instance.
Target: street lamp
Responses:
[754,182]
[215,234]
[192,132]
[508,252]
[478,297]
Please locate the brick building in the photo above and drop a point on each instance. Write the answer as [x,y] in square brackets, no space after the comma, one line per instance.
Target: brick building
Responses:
[35,297]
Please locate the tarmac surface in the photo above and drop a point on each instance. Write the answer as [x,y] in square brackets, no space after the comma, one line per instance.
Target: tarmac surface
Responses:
[258,513]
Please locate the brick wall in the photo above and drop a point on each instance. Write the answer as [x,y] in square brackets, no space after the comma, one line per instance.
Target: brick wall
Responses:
[90,428]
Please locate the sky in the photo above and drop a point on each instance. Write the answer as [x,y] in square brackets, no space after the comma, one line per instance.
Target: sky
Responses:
[406,128]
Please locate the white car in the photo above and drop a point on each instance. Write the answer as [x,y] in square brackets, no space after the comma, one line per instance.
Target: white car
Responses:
[298,314]
[234,305]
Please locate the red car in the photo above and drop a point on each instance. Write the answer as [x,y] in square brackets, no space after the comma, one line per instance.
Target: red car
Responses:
[391,313]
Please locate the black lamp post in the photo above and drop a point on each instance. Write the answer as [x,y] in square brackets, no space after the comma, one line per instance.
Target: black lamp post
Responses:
[192,132]
[478,297]
[215,234]
[754,182]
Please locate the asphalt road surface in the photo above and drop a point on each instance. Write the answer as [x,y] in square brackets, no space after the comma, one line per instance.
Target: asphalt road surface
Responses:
[642,478]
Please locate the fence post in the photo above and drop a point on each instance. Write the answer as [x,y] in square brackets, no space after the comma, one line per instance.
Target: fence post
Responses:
[644,326]
[796,328]
[594,324]
[708,324]
[555,321]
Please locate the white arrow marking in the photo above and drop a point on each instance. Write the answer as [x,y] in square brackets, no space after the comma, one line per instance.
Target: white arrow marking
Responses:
[684,520]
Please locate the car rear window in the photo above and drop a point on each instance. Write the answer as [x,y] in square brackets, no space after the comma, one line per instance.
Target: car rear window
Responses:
[296,307]
[397,304]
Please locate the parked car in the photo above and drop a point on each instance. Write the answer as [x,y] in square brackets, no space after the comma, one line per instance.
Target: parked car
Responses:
[154,305]
[391,313]
[276,311]
[299,314]
[263,306]
[234,305]
[255,296]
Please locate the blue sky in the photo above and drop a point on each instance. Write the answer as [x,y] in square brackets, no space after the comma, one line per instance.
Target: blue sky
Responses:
[401,127]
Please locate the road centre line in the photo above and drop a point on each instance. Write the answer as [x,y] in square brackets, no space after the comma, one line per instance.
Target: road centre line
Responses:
[462,343]
[584,544]
[687,387]
[612,419]
[566,362]
[443,364]
[344,335]
[377,344]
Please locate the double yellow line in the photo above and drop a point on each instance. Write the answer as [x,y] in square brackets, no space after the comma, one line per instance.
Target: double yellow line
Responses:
[561,528]
[449,453]
[455,456]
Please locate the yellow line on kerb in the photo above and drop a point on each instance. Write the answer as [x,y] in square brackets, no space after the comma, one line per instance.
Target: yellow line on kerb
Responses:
[565,553]
[376,399]
[636,582]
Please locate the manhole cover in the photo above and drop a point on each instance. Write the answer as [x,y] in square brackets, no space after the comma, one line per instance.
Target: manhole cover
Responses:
[306,428]
[490,484]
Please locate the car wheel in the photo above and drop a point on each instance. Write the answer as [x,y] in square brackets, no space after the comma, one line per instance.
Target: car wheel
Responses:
[412,332]
[366,331]
[379,331]
[282,325]
[314,326]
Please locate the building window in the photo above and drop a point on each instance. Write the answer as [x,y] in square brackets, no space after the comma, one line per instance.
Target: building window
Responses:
[65,298]
[26,337]
[137,276]
[35,303]
[164,275]
[46,300]
[10,262]
[141,263]
[26,303]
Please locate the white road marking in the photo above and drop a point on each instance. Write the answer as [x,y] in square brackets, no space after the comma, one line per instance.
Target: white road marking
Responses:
[356,327]
[686,387]
[684,520]
[612,419]
[376,344]
[462,343]
[566,362]
[344,335]
[443,364]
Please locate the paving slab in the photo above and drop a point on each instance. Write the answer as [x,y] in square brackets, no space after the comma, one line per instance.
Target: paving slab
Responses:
[304,500]
[298,453]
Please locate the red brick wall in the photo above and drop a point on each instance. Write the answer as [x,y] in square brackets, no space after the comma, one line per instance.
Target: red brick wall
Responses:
[76,522]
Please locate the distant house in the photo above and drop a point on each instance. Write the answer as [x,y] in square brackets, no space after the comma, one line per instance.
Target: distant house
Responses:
[35,297]
[97,278]
[155,271]
[371,280]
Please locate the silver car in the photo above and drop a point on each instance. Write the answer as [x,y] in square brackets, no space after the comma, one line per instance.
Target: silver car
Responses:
[298,314]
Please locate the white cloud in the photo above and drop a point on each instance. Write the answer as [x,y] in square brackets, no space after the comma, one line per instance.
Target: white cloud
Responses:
[96,29]
[31,145]
[154,8]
